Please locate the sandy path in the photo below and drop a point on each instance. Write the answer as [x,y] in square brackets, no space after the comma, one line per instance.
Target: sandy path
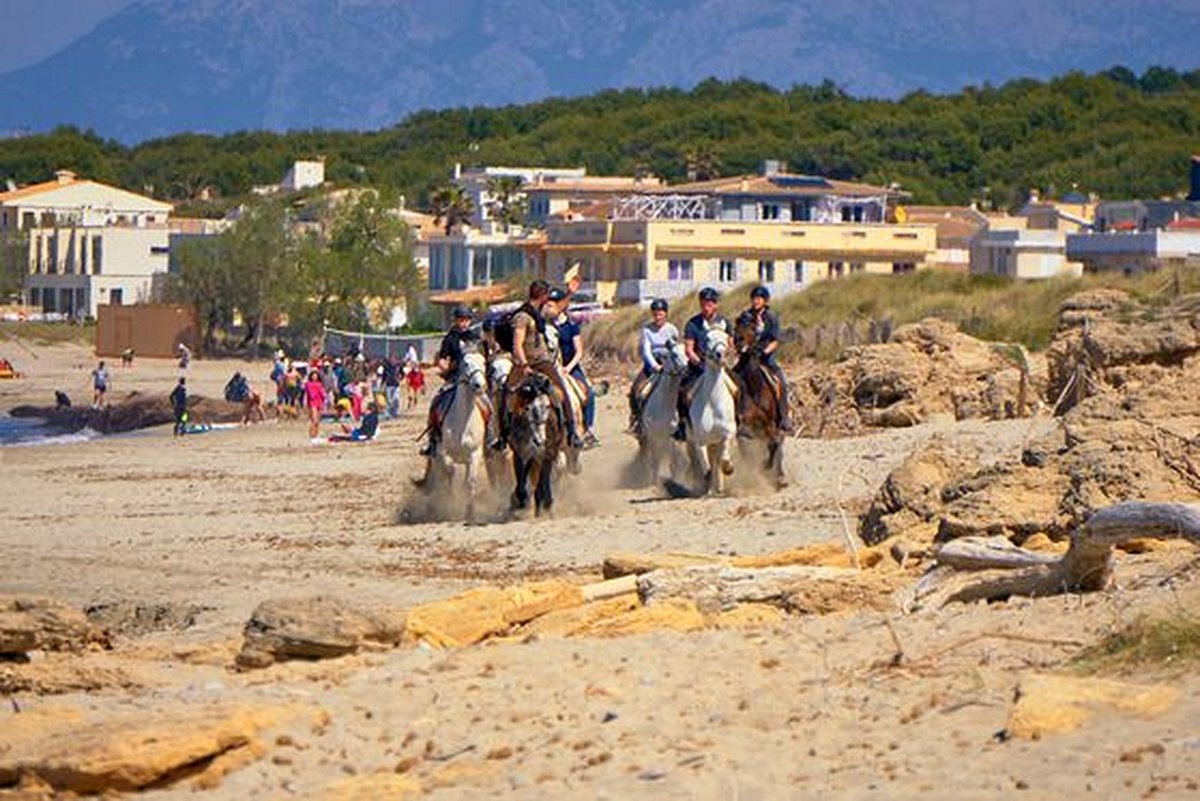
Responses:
[803,709]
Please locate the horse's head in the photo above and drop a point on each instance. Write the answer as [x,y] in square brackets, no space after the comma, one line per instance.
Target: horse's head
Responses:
[532,408]
[501,366]
[471,372]
[744,330]
[716,343]
[675,361]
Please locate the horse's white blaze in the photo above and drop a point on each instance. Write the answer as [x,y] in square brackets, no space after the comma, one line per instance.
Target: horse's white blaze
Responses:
[713,414]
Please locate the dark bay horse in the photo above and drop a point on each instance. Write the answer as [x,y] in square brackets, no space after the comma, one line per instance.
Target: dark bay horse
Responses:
[758,399]
[536,437]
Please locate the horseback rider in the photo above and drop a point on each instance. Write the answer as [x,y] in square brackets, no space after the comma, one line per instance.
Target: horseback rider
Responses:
[659,337]
[460,340]
[570,354]
[695,342]
[531,353]
[766,342]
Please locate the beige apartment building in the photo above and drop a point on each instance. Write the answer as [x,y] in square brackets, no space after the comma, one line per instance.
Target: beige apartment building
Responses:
[634,261]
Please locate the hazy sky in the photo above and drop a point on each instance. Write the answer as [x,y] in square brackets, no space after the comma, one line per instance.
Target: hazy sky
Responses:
[33,29]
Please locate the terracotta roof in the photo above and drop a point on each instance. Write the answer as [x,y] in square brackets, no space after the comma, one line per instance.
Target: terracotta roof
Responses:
[470,297]
[36,189]
[1185,224]
[594,183]
[782,184]
[954,223]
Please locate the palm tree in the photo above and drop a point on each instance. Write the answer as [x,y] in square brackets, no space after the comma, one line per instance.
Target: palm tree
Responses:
[508,204]
[451,207]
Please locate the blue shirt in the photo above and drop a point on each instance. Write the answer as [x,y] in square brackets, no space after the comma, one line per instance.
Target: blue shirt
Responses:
[697,330]
[567,331]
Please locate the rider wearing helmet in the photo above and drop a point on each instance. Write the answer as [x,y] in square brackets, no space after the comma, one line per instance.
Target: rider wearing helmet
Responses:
[460,340]
[659,336]
[570,354]
[695,342]
[766,342]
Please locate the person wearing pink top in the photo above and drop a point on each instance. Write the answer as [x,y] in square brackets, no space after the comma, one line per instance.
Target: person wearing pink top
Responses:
[314,398]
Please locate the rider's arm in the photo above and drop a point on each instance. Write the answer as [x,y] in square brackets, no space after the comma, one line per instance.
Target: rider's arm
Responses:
[518,350]
[689,347]
[648,360]
[577,341]
[770,335]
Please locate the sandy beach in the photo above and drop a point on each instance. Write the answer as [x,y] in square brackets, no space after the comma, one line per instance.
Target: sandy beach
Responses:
[197,531]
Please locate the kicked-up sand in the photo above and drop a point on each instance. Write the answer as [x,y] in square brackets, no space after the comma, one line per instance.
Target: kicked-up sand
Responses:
[172,543]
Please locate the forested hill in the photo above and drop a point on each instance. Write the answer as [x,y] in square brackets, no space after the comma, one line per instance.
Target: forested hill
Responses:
[1115,133]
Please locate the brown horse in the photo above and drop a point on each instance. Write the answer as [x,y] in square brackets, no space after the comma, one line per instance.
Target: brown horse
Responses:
[758,397]
[536,437]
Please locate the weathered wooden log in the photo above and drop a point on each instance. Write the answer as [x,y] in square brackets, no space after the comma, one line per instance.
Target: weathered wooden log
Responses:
[720,587]
[631,564]
[1086,567]
[988,553]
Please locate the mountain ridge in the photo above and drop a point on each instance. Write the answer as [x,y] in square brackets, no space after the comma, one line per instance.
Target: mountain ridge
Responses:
[163,66]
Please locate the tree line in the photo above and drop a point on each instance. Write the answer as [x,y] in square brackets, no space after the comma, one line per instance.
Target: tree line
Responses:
[342,263]
[1115,133]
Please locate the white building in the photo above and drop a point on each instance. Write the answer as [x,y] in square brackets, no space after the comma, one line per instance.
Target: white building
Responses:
[476,184]
[303,175]
[87,243]
[1136,251]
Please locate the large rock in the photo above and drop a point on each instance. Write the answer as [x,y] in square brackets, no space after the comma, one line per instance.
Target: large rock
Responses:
[1010,500]
[44,624]
[100,752]
[136,410]
[476,615]
[1048,704]
[313,628]
[912,493]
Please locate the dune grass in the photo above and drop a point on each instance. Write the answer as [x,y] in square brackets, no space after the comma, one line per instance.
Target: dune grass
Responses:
[991,308]
[47,333]
[1171,642]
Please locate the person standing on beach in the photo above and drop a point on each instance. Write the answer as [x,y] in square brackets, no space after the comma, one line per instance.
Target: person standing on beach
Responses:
[99,385]
[179,405]
[314,398]
[185,357]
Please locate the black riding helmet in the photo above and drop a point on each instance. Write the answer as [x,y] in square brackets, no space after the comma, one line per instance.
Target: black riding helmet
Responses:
[659,304]
[760,292]
[708,293]
[461,312]
[557,294]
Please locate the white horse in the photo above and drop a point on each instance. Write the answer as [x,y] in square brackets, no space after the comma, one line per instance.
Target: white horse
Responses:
[660,416]
[713,417]
[464,431]
[499,366]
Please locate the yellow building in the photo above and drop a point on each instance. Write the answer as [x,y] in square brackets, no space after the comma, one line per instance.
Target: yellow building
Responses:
[634,261]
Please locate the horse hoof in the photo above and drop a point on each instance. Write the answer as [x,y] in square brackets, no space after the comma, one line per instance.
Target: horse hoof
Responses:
[727,468]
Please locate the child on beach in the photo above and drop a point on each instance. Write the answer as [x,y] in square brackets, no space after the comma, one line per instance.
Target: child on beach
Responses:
[314,398]
[415,381]
[99,385]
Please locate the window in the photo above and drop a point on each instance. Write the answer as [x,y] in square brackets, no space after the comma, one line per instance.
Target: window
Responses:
[97,254]
[852,213]
[801,212]
[83,255]
[116,296]
[857,267]
[769,211]
[52,254]
[766,271]
[836,269]
[679,270]
[35,297]
[798,274]
[727,271]
[902,267]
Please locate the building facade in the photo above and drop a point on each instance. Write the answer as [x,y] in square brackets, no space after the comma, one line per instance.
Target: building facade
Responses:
[87,243]
[1135,252]
[635,261]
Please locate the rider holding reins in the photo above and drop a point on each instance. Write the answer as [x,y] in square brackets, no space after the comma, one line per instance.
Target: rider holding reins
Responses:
[766,342]
[659,338]
[460,340]
[531,353]
[695,342]
[570,354]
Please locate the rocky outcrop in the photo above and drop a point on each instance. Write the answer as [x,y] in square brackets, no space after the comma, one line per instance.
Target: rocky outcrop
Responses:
[313,628]
[135,411]
[44,624]
[928,368]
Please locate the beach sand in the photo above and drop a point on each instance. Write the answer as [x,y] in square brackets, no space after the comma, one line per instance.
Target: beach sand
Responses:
[199,530]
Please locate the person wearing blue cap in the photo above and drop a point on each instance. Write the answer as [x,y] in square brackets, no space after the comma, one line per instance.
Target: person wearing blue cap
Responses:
[458,342]
[695,343]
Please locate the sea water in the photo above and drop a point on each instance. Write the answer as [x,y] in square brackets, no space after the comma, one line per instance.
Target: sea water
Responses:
[32,431]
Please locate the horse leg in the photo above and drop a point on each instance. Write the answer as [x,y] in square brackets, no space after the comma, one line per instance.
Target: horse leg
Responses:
[543,494]
[472,482]
[700,464]
[520,495]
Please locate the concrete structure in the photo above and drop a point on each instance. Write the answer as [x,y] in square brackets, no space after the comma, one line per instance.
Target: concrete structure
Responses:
[778,196]
[87,243]
[1136,251]
[957,227]
[634,261]
[303,175]
[154,329]
[548,192]
[1018,252]
[473,258]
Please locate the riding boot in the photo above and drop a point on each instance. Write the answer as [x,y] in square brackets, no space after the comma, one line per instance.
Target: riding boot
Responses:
[501,440]
[785,418]
[431,446]
[682,411]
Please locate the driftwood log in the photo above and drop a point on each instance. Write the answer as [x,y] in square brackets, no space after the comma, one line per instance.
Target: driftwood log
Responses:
[715,588]
[979,569]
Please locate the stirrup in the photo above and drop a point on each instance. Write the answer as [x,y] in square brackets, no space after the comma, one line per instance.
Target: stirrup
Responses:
[430,449]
